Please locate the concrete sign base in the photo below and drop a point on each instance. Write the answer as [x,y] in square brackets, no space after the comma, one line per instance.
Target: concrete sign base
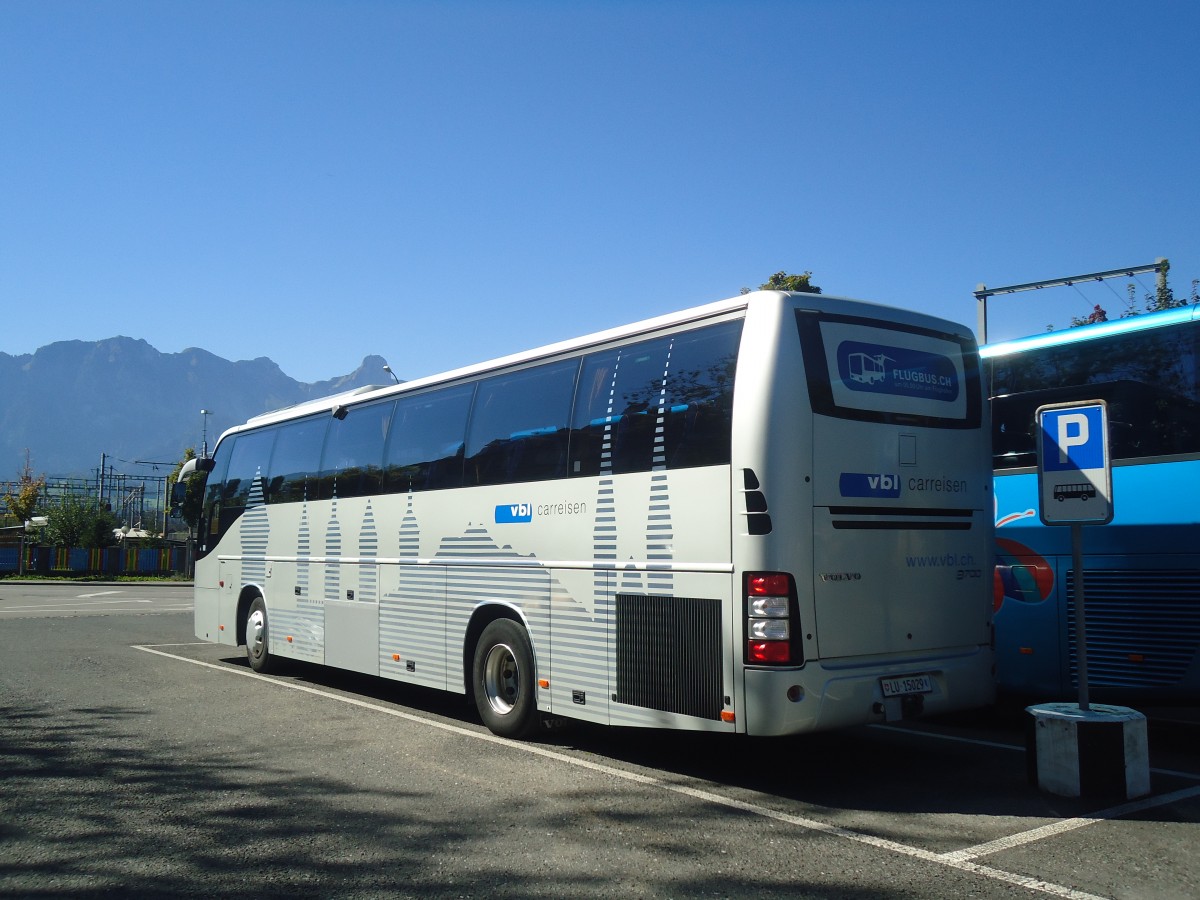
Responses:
[1100,752]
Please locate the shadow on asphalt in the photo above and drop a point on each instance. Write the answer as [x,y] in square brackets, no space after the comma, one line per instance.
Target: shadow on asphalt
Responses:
[939,765]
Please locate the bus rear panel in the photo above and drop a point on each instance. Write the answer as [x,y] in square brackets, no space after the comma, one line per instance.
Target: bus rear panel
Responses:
[879,506]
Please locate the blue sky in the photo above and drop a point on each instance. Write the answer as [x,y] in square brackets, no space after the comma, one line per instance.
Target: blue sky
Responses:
[442,183]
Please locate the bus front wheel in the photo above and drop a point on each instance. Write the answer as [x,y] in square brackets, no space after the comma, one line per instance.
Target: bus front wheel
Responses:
[258,645]
[503,679]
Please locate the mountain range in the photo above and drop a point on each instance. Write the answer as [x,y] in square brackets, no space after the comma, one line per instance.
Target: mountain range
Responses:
[73,402]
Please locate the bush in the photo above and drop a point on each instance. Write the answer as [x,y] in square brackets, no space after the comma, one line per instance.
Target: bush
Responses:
[74,522]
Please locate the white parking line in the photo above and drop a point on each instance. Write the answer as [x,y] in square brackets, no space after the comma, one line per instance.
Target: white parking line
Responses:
[111,606]
[91,604]
[1056,828]
[959,860]
[98,594]
[996,745]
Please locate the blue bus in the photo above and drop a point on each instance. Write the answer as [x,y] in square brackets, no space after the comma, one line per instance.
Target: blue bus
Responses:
[1142,571]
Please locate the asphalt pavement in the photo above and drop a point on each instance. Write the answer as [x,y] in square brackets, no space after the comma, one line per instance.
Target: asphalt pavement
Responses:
[140,762]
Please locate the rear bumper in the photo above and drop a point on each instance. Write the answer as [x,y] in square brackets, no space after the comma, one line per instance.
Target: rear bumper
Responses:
[839,694]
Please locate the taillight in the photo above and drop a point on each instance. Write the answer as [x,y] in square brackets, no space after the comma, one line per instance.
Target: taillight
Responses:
[768,653]
[770,604]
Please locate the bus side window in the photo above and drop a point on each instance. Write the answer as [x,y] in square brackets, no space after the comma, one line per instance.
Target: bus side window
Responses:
[245,480]
[699,409]
[352,461]
[518,426]
[425,445]
[210,511]
[1014,440]
[296,461]
[591,419]
[686,379]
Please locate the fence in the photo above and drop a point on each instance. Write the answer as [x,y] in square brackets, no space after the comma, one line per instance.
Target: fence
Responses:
[71,561]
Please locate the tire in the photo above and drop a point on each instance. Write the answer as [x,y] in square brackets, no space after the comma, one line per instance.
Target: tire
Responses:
[258,644]
[503,679]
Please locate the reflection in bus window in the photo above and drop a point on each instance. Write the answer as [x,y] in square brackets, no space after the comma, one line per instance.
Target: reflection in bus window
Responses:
[296,460]
[685,380]
[519,425]
[245,479]
[1148,379]
[352,462]
[425,449]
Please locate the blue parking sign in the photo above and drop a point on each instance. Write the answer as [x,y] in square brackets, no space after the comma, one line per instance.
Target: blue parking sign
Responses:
[1074,470]
[1073,438]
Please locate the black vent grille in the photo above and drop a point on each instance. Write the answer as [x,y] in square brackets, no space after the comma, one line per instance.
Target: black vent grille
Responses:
[669,654]
[1143,626]
[896,518]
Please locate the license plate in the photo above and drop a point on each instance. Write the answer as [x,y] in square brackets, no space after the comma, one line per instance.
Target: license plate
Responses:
[906,684]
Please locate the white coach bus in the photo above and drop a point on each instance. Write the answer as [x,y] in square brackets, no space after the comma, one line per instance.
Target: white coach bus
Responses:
[700,521]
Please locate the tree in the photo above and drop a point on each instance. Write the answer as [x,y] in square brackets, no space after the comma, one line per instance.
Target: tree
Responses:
[1098,315]
[781,281]
[23,502]
[77,522]
[193,501]
[1163,296]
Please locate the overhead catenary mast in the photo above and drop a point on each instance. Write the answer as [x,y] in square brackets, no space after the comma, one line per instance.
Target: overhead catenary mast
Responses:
[982,292]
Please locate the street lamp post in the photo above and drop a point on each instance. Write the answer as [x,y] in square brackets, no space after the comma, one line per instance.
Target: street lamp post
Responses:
[204,446]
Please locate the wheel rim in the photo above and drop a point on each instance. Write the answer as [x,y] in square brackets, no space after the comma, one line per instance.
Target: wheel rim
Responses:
[256,632]
[501,679]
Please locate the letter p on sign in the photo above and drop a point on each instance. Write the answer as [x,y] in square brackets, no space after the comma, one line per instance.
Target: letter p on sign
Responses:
[1072,432]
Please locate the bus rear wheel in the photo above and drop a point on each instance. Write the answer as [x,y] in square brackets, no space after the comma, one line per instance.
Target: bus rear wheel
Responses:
[258,645]
[503,680]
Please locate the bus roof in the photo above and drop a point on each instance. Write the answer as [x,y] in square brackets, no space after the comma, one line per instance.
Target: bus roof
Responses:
[324,403]
[1140,322]
[682,317]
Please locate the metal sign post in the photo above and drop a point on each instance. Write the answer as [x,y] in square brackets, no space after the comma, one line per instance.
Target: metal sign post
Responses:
[1075,488]
[1080,617]
[1077,750]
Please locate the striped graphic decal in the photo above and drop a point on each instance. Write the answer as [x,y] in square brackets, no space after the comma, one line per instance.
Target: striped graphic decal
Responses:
[427,575]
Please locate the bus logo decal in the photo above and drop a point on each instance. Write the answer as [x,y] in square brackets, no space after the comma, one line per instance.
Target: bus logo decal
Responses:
[879,369]
[510,513]
[863,484]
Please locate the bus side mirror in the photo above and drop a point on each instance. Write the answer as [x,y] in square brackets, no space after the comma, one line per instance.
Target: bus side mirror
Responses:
[179,489]
[194,465]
